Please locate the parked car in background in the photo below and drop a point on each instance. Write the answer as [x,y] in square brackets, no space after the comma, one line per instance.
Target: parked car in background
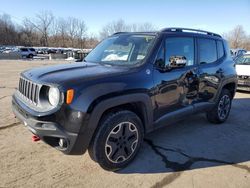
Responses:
[2,49]
[52,51]
[237,52]
[243,72]
[27,52]
[7,50]
[41,50]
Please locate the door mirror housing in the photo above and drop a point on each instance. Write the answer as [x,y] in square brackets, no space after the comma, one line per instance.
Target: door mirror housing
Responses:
[174,62]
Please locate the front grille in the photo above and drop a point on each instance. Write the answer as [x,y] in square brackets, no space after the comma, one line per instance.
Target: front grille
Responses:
[29,90]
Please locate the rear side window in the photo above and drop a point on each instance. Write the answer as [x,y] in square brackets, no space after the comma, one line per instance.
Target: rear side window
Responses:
[24,49]
[220,49]
[207,50]
[32,49]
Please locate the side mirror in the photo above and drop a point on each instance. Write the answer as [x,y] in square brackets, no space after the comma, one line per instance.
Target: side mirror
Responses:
[177,61]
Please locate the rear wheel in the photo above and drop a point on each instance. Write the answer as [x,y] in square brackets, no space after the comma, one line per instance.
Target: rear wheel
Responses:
[220,112]
[117,141]
[30,56]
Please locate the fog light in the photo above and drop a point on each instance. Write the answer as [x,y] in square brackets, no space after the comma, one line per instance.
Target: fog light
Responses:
[62,143]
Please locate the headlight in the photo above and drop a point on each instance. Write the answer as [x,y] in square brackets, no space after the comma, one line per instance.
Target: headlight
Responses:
[54,96]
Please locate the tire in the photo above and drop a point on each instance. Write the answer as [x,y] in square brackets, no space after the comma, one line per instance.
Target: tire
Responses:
[221,110]
[30,56]
[117,140]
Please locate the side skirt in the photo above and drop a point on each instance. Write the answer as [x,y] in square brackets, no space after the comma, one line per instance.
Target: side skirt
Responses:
[180,114]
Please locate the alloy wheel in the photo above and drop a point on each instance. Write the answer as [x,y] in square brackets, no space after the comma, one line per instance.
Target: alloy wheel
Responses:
[121,142]
[224,107]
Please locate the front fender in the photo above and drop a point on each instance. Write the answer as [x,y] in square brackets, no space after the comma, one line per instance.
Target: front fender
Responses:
[88,130]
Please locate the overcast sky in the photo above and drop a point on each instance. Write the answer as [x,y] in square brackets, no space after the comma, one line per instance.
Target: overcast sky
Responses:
[214,15]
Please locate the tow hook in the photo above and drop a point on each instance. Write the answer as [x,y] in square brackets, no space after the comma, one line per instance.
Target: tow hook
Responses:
[35,138]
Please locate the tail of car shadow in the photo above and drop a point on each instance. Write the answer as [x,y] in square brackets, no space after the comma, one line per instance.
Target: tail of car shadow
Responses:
[195,143]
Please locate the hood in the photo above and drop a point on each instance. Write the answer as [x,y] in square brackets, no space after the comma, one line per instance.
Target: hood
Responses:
[243,70]
[59,74]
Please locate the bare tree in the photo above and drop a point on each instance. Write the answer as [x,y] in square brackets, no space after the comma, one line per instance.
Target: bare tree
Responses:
[121,26]
[42,23]
[61,31]
[247,44]
[44,30]
[81,33]
[113,27]
[72,29]
[140,27]
[28,33]
[236,37]
[7,30]
[91,41]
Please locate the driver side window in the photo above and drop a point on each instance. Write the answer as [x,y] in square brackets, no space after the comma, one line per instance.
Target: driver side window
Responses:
[179,46]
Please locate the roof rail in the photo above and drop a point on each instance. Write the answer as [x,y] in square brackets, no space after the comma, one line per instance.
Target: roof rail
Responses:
[119,32]
[177,29]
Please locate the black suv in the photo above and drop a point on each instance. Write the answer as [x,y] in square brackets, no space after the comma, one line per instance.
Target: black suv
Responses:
[129,85]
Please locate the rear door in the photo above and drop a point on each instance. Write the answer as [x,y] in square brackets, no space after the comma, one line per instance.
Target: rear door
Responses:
[24,51]
[210,57]
[176,88]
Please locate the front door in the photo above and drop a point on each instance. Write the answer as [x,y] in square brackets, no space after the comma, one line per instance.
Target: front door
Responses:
[176,87]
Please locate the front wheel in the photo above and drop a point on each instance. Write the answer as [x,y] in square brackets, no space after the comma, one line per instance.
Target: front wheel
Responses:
[220,112]
[117,141]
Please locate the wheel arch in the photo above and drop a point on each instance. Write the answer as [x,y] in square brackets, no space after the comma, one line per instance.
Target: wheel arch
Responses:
[138,103]
[136,107]
[229,84]
[231,87]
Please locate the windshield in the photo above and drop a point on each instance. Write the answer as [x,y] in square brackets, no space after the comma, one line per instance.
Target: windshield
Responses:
[244,60]
[128,49]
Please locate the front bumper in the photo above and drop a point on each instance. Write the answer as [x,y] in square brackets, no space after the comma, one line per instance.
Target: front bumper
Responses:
[50,131]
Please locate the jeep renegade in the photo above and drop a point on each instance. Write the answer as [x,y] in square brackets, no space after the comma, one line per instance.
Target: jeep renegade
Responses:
[129,85]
